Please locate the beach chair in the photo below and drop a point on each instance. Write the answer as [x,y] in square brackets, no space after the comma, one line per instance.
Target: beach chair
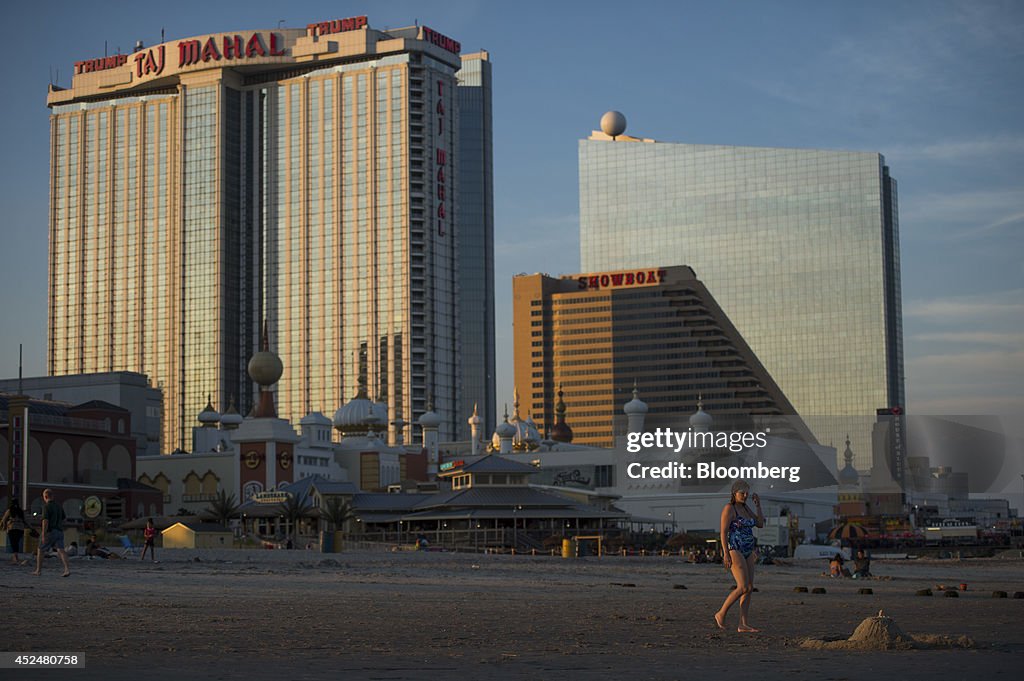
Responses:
[130,549]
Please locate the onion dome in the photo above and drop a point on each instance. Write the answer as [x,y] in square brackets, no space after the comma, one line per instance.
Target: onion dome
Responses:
[503,431]
[231,419]
[208,416]
[526,436]
[561,432]
[848,477]
[430,418]
[635,405]
[357,415]
[700,420]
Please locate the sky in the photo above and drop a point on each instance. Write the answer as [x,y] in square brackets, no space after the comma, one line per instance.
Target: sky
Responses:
[936,87]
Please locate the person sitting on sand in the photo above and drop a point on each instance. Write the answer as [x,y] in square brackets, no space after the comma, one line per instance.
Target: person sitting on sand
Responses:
[835,567]
[861,566]
[93,549]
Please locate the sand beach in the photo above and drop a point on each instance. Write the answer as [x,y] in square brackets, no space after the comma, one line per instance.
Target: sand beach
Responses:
[209,614]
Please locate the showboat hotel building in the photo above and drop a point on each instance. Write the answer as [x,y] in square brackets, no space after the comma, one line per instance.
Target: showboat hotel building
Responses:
[334,180]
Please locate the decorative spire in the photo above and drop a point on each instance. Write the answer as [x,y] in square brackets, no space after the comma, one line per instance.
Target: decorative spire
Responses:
[265,369]
[561,432]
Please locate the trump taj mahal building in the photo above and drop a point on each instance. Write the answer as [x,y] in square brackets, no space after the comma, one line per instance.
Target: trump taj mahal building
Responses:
[333,179]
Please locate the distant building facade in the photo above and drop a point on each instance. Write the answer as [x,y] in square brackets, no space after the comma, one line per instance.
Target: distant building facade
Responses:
[124,389]
[85,453]
[596,335]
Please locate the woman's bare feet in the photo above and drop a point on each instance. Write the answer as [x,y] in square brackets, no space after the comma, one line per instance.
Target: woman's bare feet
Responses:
[747,629]
[718,621]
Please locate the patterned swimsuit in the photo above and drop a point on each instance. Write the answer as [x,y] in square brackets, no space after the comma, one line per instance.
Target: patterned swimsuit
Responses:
[741,535]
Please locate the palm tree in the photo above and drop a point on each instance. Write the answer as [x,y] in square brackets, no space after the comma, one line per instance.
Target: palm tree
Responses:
[223,508]
[292,509]
[336,511]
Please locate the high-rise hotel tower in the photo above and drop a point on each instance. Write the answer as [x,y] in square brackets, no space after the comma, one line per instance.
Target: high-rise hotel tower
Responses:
[307,176]
[799,246]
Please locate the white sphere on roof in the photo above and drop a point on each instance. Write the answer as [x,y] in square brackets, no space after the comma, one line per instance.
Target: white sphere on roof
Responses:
[613,123]
[265,368]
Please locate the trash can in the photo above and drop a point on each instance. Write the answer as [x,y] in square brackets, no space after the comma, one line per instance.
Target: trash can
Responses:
[326,542]
[568,548]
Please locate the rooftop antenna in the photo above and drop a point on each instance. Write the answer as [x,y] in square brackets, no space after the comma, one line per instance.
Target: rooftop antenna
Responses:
[19,370]
[104,48]
[280,23]
[161,34]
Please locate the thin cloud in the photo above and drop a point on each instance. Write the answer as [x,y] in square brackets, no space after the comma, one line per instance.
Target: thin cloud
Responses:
[994,338]
[970,404]
[957,151]
[1009,364]
[996,305]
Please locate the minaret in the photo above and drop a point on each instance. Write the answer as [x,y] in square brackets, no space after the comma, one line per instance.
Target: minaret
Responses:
[399,424]
[635,411]
[561,432]
[474,430]
[265,368]
[848,477]
[429,423]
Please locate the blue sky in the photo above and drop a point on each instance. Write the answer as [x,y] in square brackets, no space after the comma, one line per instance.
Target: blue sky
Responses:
[937,87]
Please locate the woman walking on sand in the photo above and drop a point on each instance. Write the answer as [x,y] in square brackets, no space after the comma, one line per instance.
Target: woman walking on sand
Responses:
[13,523]
[739,549]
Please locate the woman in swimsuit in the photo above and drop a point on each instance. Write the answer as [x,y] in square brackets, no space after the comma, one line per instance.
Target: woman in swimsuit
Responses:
[739,548]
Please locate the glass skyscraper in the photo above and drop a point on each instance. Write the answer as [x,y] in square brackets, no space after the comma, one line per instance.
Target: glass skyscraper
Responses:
[307,176]
[800,247]
[476,242]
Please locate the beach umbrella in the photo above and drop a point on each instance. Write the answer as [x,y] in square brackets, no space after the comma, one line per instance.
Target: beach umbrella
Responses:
[848,531]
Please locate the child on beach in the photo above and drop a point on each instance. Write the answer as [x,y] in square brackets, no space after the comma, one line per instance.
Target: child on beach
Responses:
[149,536]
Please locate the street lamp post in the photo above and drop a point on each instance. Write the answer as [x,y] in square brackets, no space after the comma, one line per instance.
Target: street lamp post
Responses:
[515,528]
